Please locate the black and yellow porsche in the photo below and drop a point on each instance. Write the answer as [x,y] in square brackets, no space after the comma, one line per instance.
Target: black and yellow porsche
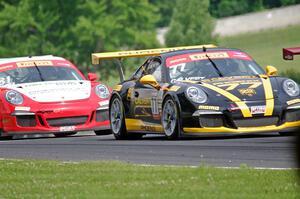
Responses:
[185,91]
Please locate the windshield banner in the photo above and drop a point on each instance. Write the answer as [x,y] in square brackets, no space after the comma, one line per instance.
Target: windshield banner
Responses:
[171,61]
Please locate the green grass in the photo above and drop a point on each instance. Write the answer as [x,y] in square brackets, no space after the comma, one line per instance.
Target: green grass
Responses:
[51,179]
[266,46]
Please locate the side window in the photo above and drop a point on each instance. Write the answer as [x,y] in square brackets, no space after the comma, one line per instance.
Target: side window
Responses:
[154,68]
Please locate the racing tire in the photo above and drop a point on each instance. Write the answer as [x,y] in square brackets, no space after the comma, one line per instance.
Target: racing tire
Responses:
[66,134]
[117,119]
[170,119]
[103,132]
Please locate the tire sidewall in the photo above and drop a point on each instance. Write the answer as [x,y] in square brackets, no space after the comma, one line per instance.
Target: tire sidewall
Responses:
[176,132]
[121,134]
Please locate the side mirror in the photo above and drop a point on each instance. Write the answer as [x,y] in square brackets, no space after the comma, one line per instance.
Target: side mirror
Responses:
[92,77]
[271,70]
[150,80]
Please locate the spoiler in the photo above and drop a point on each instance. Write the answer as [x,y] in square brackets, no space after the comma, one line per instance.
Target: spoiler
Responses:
[96,57]
[288,53]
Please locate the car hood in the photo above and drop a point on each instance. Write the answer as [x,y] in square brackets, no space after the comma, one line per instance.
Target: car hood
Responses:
[55,91]
[242,88]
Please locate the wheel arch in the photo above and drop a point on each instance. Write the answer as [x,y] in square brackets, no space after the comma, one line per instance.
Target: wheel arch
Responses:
[174,97]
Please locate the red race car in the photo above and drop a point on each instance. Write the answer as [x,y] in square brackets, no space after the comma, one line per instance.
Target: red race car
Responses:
[48,94]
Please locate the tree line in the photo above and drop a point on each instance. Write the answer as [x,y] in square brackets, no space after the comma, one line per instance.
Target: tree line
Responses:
[221,8]
[76,28]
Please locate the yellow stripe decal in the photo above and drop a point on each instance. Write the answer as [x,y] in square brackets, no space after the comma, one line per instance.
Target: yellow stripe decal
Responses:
[268,95]
[242,105]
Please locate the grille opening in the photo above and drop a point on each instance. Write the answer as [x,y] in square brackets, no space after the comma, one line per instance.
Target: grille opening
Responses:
[92,116]
[41,120]
[26,120]
[256,122]
[292,115]
[211,121]
[67,121]
[101,115]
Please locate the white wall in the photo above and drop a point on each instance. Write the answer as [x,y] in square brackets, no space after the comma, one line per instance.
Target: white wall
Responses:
[274,18]
[253,22]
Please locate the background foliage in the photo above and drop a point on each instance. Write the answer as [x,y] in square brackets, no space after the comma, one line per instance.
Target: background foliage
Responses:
[191,24]
[76,28]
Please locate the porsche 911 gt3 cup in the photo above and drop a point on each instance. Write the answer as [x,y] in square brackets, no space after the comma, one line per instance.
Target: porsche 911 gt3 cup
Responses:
[198,90]
[48,94]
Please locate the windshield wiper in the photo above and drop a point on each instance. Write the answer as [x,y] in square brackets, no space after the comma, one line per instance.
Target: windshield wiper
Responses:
[215,66]
[40,74]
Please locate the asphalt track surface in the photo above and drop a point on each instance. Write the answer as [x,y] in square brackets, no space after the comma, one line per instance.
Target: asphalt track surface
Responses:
[267,151]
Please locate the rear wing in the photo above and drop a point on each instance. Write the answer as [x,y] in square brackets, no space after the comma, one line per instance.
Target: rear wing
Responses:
[97,57]
[288,53]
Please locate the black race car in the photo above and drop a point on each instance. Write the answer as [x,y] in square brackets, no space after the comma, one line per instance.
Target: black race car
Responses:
[200,89]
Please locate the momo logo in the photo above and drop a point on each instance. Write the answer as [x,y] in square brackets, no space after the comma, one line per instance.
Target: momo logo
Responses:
[247,91]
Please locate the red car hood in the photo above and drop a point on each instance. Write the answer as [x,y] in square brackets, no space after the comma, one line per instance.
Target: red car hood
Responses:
[54,91]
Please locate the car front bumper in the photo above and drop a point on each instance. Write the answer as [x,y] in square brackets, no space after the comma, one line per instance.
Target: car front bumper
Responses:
[214,122]
[54,119]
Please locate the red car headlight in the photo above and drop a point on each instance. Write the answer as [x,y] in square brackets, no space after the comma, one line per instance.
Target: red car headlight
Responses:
[14,97]
[102,91]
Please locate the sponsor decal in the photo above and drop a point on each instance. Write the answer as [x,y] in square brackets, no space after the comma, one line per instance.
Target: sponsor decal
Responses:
[247,91]
[5,67]
[143,102]
[242,105]
[33,63]
[43,63]
[57,110]
[180,60]
[203,56]
[25,64]
[174,88]
[53,91]
[205,107]
[258,109]
[66,128]
[104,102]
[154,106]
[293,101]
[22,108]
[233,85]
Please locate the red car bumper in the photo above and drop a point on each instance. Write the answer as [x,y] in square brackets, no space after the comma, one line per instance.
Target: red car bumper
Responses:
[56,117]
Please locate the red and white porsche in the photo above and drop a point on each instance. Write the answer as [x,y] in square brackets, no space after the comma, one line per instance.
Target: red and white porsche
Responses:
[48,94]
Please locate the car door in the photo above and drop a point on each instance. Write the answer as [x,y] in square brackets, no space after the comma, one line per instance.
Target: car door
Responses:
[145,107]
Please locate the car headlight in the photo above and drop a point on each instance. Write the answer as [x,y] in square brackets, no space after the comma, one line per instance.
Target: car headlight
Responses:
[102,91]
[291,88]
[196,94]
[14,97]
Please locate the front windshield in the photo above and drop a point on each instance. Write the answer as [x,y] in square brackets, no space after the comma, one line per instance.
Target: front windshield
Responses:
[34,74]
[198,67]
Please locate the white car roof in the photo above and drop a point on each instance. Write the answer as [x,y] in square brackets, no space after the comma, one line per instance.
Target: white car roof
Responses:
[30,58]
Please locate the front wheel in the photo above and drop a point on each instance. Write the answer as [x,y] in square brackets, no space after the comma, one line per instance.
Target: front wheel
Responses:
[170,119]
[117,119]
